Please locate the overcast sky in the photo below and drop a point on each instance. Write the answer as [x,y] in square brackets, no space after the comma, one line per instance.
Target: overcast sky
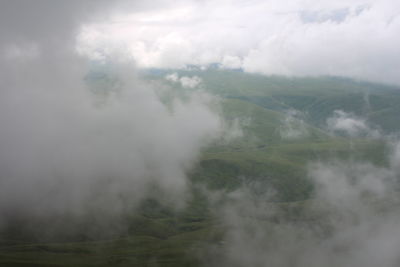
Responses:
[357,38]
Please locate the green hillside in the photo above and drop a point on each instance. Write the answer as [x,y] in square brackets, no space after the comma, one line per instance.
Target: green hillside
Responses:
[317,97]
[270,153]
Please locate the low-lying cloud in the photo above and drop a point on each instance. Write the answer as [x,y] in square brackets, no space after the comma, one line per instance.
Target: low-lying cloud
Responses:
[351,221]
[63,152]
[293,126]
[351,125]
[184,81]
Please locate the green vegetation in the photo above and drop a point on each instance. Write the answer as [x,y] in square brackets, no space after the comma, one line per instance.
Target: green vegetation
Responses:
[260,158]
[316,97]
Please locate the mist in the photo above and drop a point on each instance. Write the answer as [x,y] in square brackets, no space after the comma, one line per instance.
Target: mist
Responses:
[293,126]
[350,220]
[351,125]
[90,130]
[68,149]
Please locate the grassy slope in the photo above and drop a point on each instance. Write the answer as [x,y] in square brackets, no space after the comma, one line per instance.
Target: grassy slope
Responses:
[159,237]
[317,97]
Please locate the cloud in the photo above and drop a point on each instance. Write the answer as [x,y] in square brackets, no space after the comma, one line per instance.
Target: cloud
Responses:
[231,62]
[351,125]
[293,126]
[355,38]
[56,141]
[351,221]
[336,15]
[172,77]
[63,152]
[185,81]
[190,82]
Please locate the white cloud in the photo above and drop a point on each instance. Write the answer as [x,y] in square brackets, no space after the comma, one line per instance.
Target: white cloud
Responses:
[350,124]
[172,77]
[354,38]
[190,82]
[184,81]
[231,62]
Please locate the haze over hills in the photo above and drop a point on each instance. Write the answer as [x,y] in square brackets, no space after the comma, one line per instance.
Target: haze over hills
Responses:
[200,133]
[274,128]
[317,98]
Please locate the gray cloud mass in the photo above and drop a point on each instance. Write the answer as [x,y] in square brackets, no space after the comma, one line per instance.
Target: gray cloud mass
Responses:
[62,152]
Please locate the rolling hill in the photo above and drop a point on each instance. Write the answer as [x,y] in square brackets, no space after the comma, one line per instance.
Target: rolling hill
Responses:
[281,127]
